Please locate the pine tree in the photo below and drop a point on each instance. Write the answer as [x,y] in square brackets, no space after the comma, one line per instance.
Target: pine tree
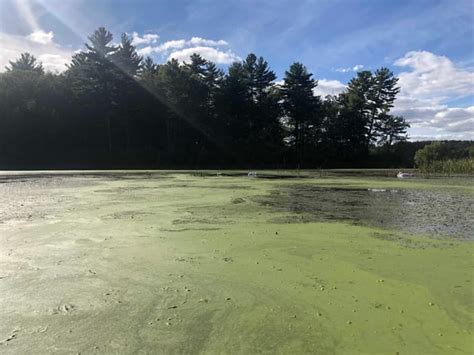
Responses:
[126,57]
[383,94]
[300,107]
[149,67]
[93,75]
[392,129]
[197,65]
[26,62]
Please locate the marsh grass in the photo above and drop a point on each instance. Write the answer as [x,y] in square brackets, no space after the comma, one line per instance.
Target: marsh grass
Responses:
[449,167]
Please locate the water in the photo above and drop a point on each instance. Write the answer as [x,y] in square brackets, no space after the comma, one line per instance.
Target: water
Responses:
[446,213]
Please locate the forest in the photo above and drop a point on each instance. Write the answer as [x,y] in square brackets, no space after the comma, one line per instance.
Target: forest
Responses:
[113,108]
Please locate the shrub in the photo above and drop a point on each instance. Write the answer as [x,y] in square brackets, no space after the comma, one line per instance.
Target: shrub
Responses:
[438,158]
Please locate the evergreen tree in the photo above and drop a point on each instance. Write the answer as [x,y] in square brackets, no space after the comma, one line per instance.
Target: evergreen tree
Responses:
[371,95]
[26,62]
[300,107]
[149,67]
[111,108]
[126,57]
[93,77]
[392,129]
[383,94]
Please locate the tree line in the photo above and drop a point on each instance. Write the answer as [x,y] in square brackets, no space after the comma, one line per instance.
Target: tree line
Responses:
[113,108]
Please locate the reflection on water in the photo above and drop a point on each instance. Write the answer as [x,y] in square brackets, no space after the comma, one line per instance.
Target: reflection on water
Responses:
[437,213]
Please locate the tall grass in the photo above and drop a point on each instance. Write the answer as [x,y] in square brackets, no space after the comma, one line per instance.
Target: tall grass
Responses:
[449,166]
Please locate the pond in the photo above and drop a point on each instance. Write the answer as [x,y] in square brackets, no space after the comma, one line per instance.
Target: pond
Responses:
[219,262]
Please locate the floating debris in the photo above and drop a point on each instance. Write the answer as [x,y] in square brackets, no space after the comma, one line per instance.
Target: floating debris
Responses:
[65,308]
[10,338]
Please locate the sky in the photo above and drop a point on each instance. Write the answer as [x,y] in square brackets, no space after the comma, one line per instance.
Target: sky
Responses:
[428,44]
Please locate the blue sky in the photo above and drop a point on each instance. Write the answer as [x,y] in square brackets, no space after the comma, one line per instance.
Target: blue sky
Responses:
[429,44]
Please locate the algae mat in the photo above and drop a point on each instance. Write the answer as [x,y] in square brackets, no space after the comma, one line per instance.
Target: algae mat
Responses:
[176,263]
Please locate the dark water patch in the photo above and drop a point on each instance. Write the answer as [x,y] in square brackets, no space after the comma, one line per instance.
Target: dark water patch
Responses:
[437,213]
[363,172]
[280,177]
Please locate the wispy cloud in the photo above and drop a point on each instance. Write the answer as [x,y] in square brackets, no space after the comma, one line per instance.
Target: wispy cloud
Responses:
[355,68]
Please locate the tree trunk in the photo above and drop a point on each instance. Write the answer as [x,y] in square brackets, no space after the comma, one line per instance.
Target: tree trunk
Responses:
[109,132]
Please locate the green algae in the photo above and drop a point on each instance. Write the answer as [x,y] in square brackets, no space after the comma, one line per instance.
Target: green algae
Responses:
[173,265]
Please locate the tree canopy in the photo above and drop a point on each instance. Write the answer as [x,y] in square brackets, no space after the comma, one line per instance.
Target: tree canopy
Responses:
[113,108]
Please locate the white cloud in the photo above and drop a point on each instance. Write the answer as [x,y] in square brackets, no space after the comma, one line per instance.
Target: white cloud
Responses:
[430,83]
[434,77]
[148,38]
[209,53]
[50,54]
[172,45]
[41,37]
[53,62]
[198,41]
[355,68]
[329,87]
[145,50]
